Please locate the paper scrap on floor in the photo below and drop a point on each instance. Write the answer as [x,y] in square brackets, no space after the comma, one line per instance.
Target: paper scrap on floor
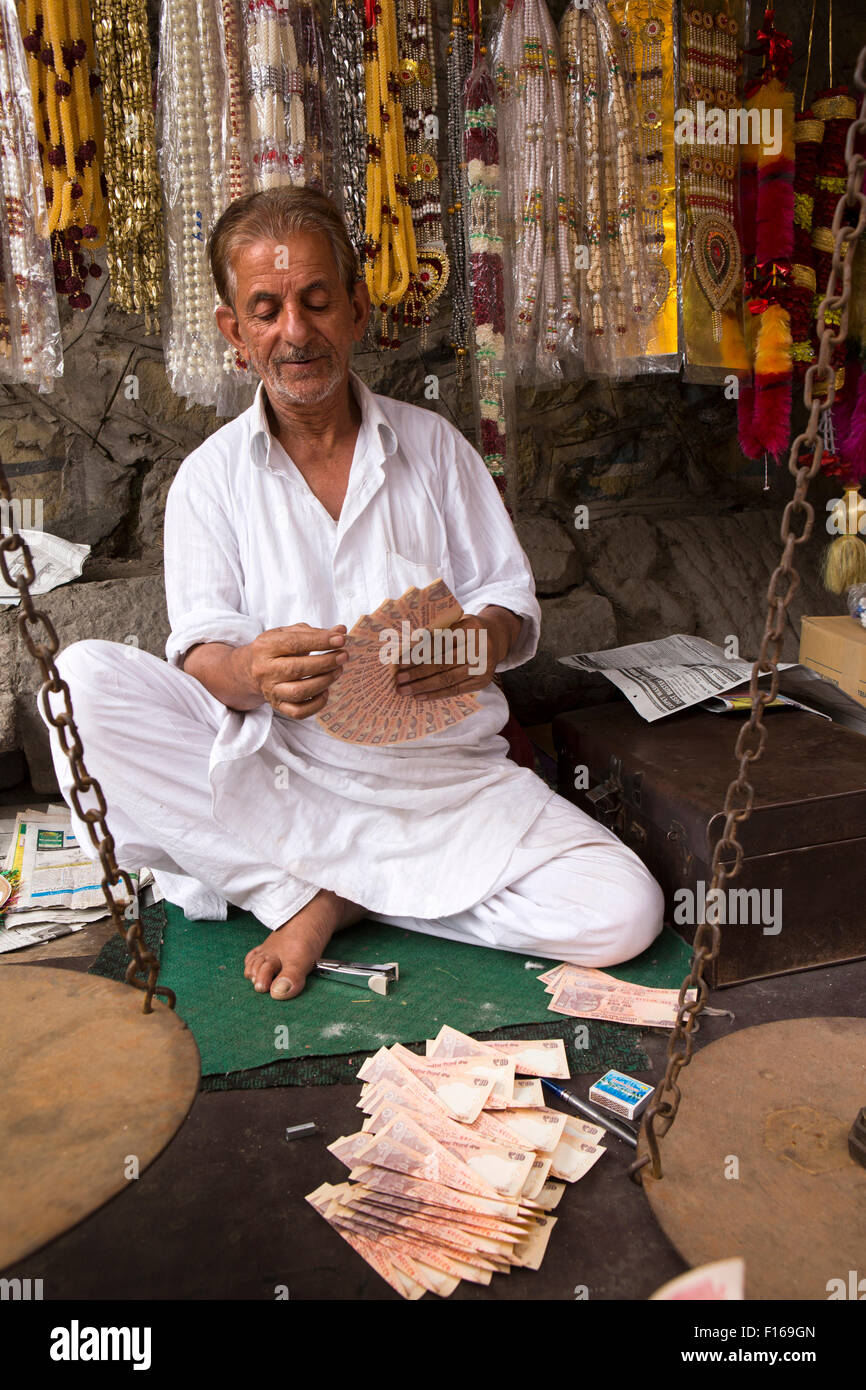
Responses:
[57,889]
[434,1196]
[581,991]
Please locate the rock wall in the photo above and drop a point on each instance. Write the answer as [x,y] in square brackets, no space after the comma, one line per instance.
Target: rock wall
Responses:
[678,533]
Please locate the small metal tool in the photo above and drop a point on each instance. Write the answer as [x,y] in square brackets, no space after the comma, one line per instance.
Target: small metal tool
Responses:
[378,978]
[301,1131]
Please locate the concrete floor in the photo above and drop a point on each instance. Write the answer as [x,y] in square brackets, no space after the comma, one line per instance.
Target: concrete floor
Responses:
[220,1214]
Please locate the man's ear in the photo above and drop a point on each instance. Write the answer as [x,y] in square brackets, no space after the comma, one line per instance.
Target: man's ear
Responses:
[227,323]
[360,308]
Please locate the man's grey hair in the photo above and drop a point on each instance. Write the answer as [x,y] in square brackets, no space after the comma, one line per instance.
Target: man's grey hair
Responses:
[275,214]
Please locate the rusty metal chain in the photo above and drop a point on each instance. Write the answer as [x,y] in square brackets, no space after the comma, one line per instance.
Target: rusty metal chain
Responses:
[126,919]
[785,580]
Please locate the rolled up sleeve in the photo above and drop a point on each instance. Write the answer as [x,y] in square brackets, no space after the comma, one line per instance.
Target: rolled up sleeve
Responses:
[203,574]
[487,560]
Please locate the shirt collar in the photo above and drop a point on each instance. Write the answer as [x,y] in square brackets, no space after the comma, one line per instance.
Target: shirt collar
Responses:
[377,433]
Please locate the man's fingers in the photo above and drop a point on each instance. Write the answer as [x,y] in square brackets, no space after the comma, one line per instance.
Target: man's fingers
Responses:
[438,682]
[299,692]
[300,668]
[300,640]
[302,711]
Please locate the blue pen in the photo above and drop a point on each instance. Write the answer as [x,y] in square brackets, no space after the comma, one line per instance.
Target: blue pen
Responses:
[592,1112]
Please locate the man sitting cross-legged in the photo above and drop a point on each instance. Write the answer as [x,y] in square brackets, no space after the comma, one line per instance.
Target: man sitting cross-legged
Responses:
[311,508]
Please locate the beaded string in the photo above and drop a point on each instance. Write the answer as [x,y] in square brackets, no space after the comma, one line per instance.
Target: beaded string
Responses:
[417,74]
[545,313]
[458,68]
[58,39]
[275,93]
[347,41]
[134,241]
[239,156]
[604,181]
[30,350]
[391,262]
[193,123]
[486,274]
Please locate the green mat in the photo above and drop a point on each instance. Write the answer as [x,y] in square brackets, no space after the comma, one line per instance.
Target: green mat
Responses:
[250,1040]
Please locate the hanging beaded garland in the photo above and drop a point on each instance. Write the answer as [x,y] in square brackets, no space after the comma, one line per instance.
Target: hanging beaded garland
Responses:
[318,153]
[711,68]
[458,69]
[800,290]
[193,123]
[347,41]
[134,243]
[619,284]
[486,274]
[58,39]
[390,254]
[275,95]
[417,75]
[30,350]
[837,109]
[544,314]
[240,175]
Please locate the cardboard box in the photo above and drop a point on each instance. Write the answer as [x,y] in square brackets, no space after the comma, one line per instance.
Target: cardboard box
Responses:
[836,649]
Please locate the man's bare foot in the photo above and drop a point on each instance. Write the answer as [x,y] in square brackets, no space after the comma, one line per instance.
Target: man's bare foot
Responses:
[285,958]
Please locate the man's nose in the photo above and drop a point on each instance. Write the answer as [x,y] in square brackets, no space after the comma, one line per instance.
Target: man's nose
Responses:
[294,323]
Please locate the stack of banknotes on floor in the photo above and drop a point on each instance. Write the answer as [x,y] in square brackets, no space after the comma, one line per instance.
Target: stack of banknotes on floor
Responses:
[458,1164]
[583,992]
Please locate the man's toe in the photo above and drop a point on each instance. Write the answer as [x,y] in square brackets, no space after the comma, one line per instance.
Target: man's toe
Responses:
[263,973]
[287,985]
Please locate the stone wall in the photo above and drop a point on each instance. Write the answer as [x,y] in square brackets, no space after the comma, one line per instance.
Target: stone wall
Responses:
[681,535]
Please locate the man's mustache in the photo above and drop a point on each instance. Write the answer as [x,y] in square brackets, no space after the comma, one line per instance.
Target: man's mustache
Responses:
[299,357]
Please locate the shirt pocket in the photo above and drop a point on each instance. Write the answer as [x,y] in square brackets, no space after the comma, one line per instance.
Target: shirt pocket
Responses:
[403,574]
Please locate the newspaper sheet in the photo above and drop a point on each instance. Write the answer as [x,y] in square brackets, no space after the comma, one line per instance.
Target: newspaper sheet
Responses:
[55,562]
[670,674]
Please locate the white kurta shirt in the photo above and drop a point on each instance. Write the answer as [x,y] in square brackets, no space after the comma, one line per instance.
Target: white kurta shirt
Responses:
[422,828]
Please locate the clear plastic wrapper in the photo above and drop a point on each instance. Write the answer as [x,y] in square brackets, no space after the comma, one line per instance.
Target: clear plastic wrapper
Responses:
[30,346]
[541,304]
[616,292]
[193,134]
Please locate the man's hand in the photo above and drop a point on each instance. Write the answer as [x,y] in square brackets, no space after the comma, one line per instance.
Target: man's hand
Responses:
[276,668]
[488,639]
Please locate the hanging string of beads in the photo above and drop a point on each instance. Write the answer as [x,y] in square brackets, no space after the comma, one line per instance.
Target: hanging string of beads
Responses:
[347,41]
[544,316]
[390,255]
[240,180]
[421,124]
[193,124]
[275,95]
[486,271]
[134,239]
[458,68]
[58,39]
[318,152]
[618,282]
[30,350]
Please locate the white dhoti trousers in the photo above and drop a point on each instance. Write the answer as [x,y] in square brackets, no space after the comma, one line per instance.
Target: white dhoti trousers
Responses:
[570,890]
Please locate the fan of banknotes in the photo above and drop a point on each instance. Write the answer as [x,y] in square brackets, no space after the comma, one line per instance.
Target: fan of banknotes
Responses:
[458,1164]
[583,992]
[364,704]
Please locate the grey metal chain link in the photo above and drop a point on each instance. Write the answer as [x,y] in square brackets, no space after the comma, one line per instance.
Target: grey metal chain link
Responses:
[752,737]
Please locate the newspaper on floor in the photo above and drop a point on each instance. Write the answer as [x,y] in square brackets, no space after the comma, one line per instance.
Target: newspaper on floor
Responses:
[671,674]
[55,562]
[58,890]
